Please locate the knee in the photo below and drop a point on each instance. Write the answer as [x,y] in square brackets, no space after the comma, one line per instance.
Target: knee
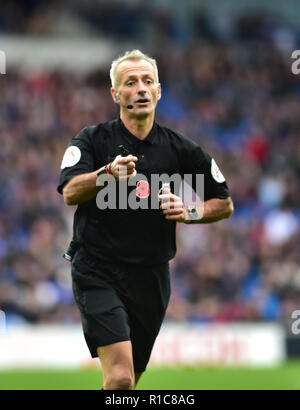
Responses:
[119,380]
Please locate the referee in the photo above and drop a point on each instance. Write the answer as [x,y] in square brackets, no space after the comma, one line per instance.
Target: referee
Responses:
[120,256]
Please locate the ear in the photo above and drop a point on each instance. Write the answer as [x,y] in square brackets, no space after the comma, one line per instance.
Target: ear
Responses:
[158,91]
[114,95]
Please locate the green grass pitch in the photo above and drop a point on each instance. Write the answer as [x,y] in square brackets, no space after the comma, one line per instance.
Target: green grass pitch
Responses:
[284,377]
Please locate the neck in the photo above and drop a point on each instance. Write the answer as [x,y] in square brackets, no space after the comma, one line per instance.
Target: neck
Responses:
[140,127]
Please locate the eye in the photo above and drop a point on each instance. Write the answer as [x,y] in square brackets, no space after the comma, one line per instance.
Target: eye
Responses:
[149,81]
[130,83]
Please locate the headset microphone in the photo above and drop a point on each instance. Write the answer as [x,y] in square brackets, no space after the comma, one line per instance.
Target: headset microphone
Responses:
[129,107]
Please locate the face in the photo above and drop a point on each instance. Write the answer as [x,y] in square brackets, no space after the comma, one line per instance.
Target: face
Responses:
[137,86]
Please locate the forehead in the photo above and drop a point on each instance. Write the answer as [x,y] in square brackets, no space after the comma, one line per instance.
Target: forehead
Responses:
[134,67]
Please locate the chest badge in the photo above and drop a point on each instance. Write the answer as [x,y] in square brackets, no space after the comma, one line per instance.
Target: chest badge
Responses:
[142,189]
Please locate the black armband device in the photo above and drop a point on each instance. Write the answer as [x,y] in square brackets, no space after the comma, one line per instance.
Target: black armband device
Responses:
[70,252]
[124,152]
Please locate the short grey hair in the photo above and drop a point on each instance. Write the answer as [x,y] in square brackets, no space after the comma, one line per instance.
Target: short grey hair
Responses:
[131,55]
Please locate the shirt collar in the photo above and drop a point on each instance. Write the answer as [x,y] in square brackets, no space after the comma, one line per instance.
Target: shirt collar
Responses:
[132,139]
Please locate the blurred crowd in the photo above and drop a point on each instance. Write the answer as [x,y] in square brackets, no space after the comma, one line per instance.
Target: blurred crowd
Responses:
[240,101]
[117,19]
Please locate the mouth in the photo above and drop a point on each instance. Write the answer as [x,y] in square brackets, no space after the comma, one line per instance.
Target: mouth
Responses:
[142,101]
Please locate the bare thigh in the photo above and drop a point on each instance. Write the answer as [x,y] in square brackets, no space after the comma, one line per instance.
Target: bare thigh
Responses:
[117,362]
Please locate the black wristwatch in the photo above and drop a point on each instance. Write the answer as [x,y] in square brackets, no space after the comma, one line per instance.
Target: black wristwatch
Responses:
[193,214]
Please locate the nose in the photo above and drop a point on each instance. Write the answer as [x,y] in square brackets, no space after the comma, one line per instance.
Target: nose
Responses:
[141,87]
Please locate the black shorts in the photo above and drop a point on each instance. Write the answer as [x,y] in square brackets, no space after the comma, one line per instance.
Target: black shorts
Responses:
[120,302]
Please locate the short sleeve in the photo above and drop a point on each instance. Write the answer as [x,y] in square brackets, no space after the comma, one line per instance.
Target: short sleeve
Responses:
[197,161]
[78,159]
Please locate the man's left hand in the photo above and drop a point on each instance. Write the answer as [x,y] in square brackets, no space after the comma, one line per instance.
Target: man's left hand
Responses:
[172,206]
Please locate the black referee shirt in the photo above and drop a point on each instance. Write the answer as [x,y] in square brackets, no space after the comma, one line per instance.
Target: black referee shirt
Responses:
[140,236]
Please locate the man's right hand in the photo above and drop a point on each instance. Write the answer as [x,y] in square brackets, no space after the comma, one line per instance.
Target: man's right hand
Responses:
[123,167]
[84,187]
